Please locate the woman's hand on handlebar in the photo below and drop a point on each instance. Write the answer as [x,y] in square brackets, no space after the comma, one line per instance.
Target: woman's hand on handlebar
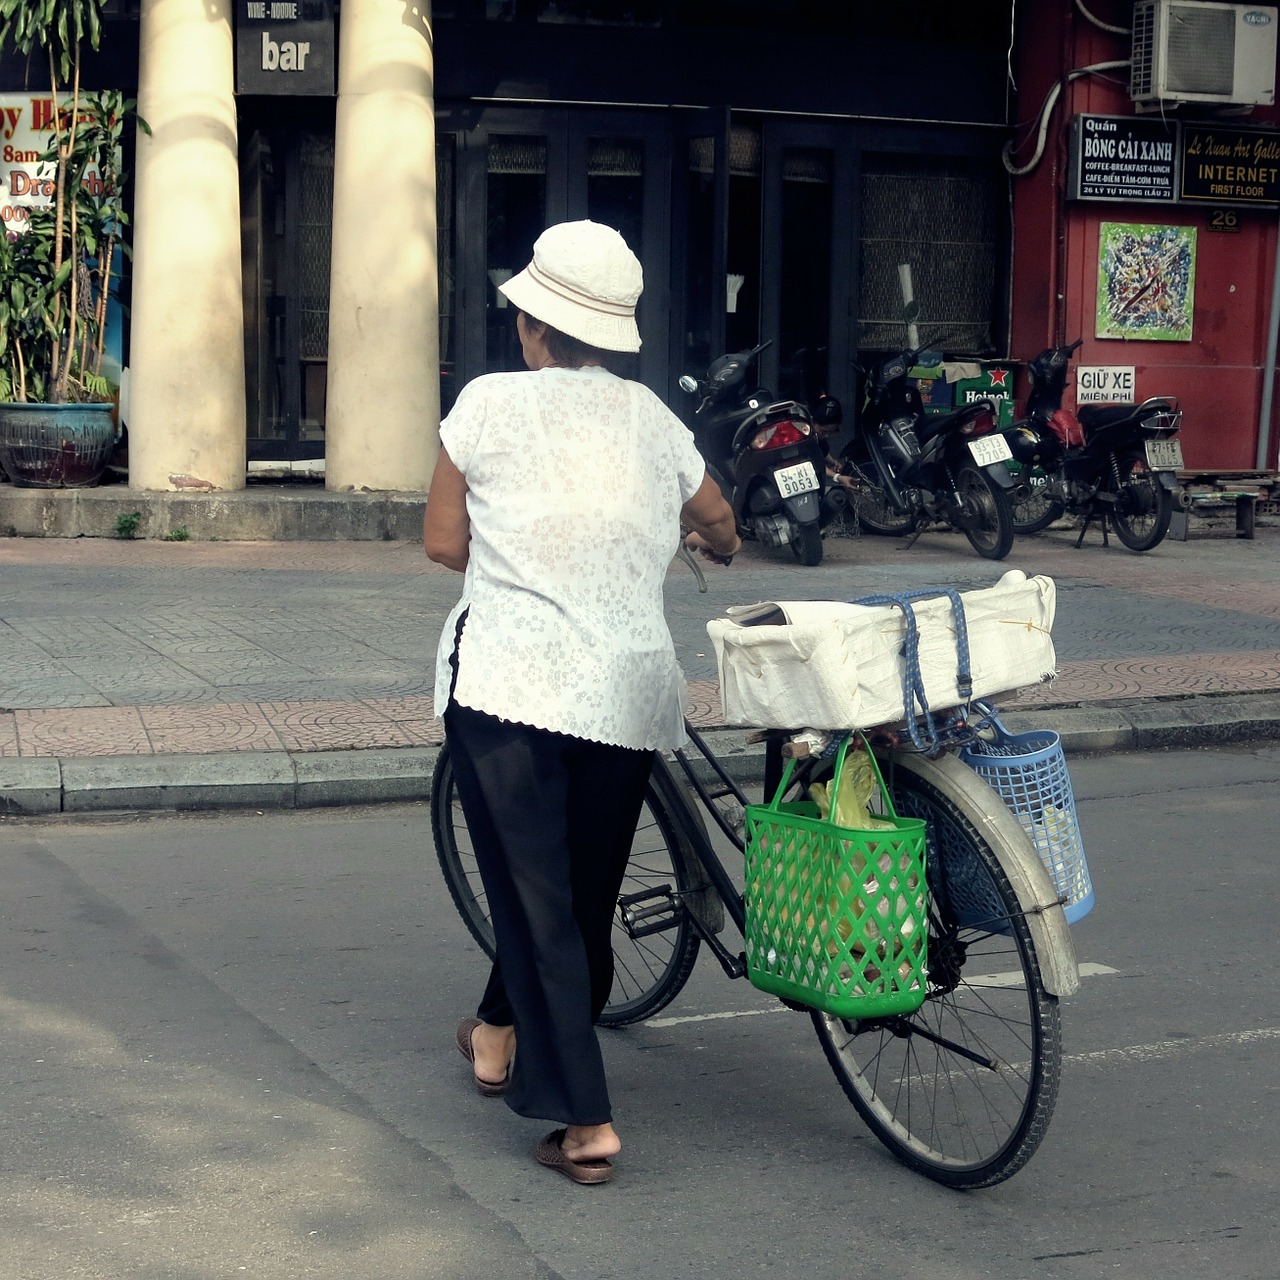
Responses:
[696,542]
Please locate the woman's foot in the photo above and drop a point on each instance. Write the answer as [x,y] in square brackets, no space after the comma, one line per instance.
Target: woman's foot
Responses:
[590,1142]
[580,1152]
[490,1050]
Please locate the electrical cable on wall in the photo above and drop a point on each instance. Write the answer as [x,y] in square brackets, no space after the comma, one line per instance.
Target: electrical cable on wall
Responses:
[1046,112]
[1102,26]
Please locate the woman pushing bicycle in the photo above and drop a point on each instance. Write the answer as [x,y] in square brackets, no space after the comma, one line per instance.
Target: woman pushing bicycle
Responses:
[560,493]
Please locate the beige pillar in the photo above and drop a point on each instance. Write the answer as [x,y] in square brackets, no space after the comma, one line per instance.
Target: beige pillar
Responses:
[383,405]
[186,367]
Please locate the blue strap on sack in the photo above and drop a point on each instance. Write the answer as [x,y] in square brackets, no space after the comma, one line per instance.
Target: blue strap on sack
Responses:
[913,696]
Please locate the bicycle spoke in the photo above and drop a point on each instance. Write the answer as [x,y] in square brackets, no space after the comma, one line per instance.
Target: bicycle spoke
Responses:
[963,1088]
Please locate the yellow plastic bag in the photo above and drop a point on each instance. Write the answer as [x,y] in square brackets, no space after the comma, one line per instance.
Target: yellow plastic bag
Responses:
[857,786]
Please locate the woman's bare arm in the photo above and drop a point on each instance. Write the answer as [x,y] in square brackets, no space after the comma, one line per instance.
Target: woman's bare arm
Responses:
[711,519]
[446,528]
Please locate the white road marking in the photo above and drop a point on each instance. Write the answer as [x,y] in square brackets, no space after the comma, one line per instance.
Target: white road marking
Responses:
[715,1017]
[1164,1049]
[1013,978]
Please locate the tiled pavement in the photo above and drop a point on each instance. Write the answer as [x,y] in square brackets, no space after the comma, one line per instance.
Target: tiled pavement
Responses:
[117,648]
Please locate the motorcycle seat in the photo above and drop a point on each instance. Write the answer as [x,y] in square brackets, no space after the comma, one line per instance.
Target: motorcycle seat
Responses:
[1094,418]
[936,424]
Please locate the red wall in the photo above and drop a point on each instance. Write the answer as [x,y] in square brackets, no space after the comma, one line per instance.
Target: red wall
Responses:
[1217,376]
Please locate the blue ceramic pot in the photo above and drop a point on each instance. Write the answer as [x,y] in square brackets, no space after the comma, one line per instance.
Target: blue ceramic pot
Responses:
[56,446]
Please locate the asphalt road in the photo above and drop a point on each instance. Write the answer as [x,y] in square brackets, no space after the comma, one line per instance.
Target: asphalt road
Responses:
[228,1050]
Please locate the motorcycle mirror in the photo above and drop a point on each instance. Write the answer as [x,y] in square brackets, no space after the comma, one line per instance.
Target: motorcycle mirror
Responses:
[910,312]
[688,384]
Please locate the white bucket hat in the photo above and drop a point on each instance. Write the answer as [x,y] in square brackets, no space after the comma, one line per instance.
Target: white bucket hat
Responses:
[584,281]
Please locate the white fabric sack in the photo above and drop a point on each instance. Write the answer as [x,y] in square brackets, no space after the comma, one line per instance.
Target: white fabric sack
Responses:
[833,665]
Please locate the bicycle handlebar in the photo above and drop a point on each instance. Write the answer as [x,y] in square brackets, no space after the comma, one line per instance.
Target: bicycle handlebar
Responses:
[683,553]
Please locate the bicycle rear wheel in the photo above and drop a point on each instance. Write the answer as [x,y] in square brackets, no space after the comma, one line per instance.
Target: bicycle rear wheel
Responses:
[962,1090]
[649,970]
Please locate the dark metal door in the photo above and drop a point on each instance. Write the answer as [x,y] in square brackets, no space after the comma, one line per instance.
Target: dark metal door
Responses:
[287,202]
[505,175]
[699,243]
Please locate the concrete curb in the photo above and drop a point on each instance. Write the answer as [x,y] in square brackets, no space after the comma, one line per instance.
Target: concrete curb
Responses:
[302,780]
[253,514]
[235,780]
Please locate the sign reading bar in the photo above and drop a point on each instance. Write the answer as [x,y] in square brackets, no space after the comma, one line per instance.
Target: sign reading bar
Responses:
[1230,166]
[1123,158]
[285,47]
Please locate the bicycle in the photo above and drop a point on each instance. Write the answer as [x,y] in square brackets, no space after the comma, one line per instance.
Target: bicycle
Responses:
[961,1091]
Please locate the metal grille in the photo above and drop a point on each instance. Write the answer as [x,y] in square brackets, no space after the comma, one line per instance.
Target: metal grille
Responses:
[1201,49]
[744,153]
[807,164]
[615,158]
[940,216]
[525,155]
[445,249]
[315,235]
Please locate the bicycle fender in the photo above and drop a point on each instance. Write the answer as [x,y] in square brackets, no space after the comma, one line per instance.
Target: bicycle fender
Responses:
[1017,856]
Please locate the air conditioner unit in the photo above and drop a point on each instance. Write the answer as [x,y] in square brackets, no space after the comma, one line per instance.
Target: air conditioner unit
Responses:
[1195,51]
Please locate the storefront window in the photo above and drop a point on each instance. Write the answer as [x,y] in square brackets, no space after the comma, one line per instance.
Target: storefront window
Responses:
[939,215]
[315,233]
[615,187]
[517,205]
[805,270]
[446,261]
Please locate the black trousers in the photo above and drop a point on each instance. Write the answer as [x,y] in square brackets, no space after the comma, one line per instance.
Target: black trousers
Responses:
[552,819]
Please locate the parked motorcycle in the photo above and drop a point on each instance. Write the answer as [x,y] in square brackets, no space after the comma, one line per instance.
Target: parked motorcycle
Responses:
[765,454]
[905,469]
[1117,464]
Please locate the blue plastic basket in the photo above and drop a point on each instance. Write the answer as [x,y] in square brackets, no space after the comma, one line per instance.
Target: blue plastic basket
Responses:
[1029,773]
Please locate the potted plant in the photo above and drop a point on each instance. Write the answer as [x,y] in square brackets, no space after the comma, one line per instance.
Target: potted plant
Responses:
[57,416]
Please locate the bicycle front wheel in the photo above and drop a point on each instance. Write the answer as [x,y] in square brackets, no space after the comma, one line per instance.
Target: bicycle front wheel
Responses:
[962,1090]
[649,970]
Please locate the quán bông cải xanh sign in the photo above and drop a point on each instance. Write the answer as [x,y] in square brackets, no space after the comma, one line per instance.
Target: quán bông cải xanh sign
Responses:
[1139,160]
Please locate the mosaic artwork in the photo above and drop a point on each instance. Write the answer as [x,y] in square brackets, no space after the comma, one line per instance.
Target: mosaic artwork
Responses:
[1146,281]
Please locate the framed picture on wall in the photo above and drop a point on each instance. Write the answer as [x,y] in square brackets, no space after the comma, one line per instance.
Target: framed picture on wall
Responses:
[1146,281]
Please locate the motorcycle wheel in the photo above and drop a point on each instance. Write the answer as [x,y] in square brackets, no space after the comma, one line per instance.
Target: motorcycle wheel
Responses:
[873,510]
[991,531]
[1037,510]
[806,543]
[1142,511]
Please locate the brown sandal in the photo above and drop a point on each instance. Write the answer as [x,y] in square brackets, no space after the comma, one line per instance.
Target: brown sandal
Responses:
[550,1152]
[486,1088]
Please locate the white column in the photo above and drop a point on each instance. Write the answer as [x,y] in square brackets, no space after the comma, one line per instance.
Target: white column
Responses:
[383,403]
[186,365]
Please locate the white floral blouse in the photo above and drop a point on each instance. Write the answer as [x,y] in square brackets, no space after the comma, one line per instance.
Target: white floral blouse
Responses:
[575,480]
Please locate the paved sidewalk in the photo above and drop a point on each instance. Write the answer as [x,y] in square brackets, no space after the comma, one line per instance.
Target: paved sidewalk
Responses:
[157,674]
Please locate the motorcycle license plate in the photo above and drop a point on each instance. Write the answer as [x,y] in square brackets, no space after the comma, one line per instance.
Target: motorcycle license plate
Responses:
[1163,455]
[989,449]
[792,481]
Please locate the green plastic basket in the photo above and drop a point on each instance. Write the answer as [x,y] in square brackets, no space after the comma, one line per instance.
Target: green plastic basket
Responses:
[836,918]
